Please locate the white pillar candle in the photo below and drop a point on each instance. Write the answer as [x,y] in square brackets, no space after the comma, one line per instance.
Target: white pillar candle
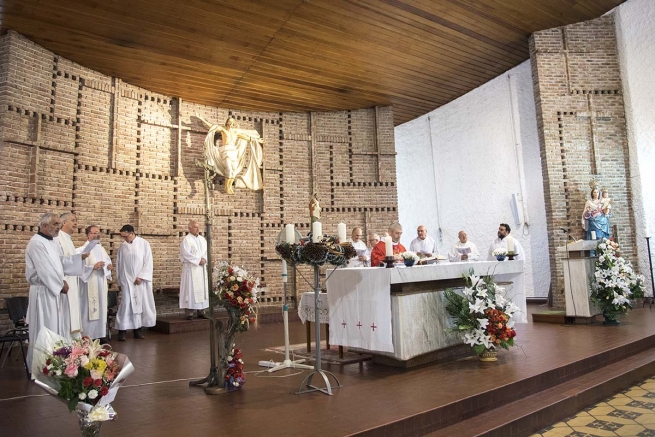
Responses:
[284,271]
[593,235]
[290,233]
[388,246]
[510,244]
[317,232]
[646,232]
[341,232]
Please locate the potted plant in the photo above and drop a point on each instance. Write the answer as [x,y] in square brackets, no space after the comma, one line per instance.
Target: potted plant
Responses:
[614,283]
[482,315]
[409,258]
[500,253]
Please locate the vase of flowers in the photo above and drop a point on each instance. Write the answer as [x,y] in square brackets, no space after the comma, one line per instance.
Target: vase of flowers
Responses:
[235,378]
[81,372]
[409,258]
[500,253]
[614,283]
[236,291]
[482,315]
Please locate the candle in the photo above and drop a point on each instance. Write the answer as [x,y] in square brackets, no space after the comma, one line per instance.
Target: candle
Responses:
[388,246]
[646,232]
[510,244]
[593,235]
[317,232]
[290,233]
[341,232]
[284,271]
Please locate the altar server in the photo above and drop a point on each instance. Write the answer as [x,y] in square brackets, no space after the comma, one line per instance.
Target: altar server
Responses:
[463,250]
[73,269]
[379,251]
[194,293]
[44,272]
[134,272]
[423,244]
[504,240]
[94,287]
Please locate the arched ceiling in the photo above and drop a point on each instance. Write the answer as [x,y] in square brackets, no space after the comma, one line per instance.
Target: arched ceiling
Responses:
[298,55]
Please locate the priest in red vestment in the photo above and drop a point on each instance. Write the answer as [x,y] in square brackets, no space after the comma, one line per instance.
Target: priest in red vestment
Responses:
[379,251]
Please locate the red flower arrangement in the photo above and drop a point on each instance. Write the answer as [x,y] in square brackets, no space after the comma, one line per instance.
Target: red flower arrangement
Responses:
[235,378]
[497,328]
[237,292]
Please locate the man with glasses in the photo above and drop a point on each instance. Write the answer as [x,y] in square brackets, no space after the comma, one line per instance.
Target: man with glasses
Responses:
[134,271]
[373,239]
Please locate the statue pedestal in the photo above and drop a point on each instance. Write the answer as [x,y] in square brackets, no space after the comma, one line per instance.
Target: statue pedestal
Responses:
[579,267]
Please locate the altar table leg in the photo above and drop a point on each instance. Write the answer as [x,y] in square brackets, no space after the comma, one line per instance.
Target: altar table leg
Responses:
[309,335]
[327,336]
[341,352]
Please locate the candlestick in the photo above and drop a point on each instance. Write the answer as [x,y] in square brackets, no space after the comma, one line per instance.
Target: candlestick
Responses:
[284,271]
[510,244]
[388,246]
[341,232]
[290,233]
[317,232]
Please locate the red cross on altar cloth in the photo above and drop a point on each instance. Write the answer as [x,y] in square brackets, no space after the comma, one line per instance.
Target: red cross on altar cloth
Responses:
[360,297]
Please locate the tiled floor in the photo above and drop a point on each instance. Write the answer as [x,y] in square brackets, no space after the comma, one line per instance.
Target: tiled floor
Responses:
[630,413]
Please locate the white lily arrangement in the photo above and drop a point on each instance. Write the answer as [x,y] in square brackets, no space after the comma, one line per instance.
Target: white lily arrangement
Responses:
[501,251]
[409,255]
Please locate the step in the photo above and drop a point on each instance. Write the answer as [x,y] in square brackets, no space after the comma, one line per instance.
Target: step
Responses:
[532,413]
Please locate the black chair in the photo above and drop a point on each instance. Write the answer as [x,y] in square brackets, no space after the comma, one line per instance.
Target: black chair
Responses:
[17,309]
[112,308]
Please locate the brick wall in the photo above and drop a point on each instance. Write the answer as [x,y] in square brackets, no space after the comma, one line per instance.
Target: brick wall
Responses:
[582,130]
[74,139]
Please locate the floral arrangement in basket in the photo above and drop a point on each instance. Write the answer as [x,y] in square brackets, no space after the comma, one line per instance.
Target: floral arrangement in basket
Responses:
[614,283]
[81,372]
[237,290]
[482,315]
[235,378]
[328,251]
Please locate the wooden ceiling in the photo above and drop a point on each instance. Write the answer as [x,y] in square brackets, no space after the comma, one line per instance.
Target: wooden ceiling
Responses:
[298,55]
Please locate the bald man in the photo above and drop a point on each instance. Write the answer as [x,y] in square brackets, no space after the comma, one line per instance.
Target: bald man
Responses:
[463,250]
[424,244]
[194,294]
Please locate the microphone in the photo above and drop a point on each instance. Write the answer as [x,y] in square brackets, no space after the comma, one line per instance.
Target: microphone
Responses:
[568,232]
[565,230]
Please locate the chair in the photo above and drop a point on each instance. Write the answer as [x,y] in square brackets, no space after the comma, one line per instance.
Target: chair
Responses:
[112,304]
[17,309]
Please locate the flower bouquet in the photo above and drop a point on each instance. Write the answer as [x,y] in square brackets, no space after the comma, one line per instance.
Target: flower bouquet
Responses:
[482,315]
[81,372]
[409,258]
[235,378]
[500,253]
[236,291]
[614,283]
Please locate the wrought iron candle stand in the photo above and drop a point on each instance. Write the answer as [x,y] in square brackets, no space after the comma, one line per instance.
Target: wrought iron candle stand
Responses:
[307,382]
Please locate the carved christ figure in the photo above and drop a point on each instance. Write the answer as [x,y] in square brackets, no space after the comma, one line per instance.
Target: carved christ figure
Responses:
[230,158]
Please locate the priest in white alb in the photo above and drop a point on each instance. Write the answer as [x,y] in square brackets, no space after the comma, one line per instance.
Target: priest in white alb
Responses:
[73,270]
[424,244]
[94,287]
[363,257]
[463,250]
[194,294]
[45,274]
[507,242]
[134,272]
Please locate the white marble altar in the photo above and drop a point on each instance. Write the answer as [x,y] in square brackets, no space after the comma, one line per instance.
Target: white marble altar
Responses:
[418,317]
[579,267]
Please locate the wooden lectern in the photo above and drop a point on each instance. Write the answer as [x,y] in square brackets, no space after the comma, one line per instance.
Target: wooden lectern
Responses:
[579,267]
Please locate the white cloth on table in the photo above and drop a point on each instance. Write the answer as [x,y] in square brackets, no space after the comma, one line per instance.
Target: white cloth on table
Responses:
[73,269]
[137,307]
[498,243]
[360,309]
[306,311]
[428,245]
[459,248]
[93,292]
[194,294]
[360,247]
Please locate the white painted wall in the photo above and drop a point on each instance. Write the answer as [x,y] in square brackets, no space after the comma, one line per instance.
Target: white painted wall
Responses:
[479,149]
[635,32]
